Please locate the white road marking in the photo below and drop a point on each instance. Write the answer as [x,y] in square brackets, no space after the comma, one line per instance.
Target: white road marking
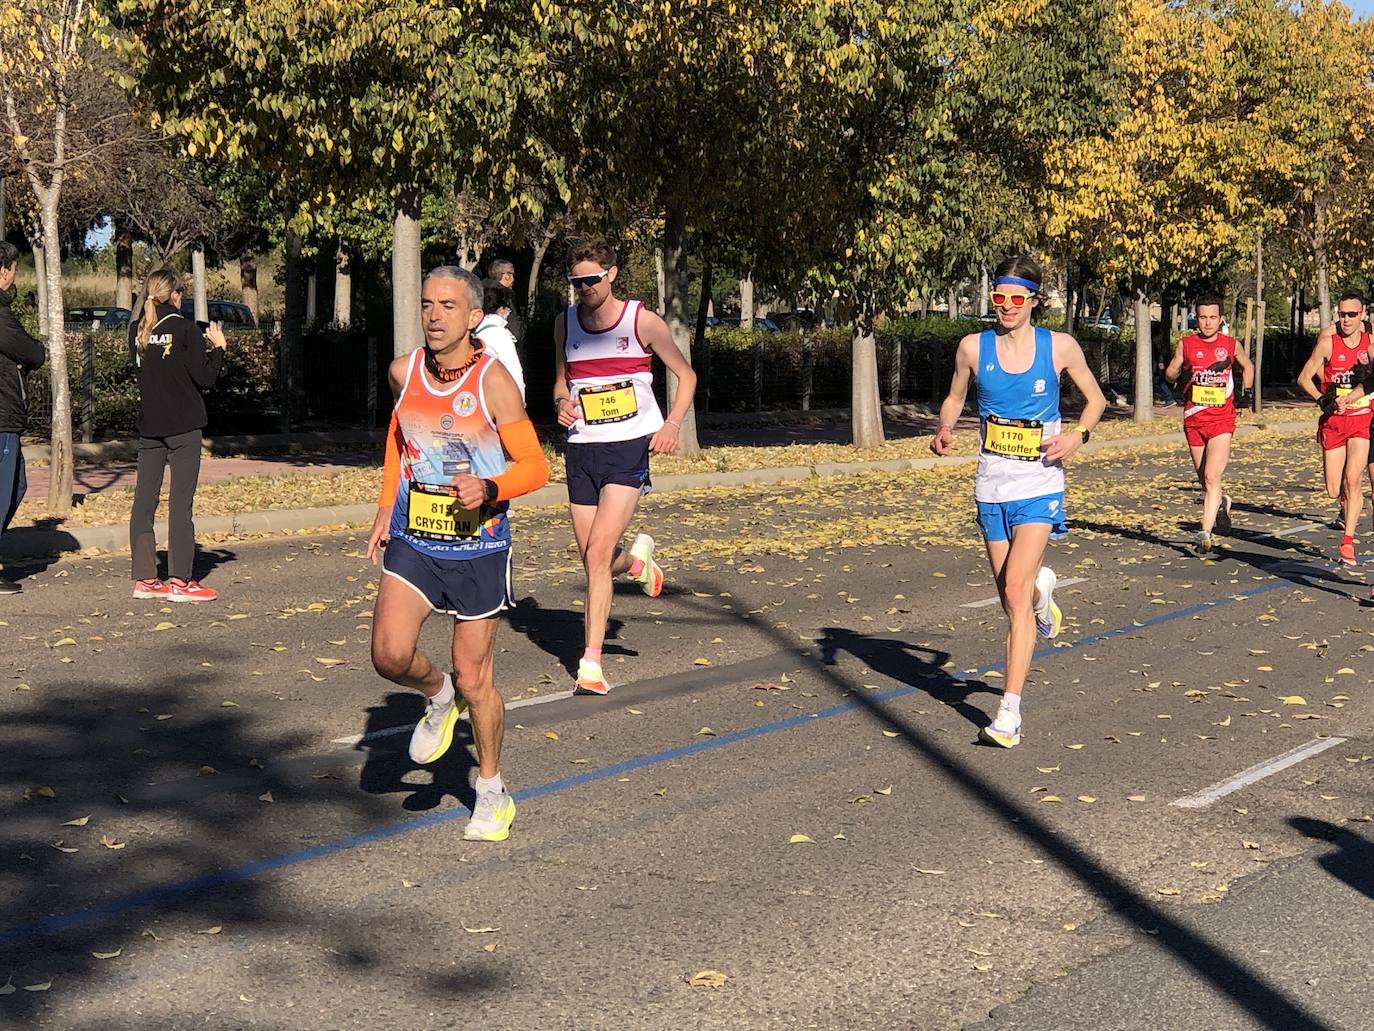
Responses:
[521,703]
[1300,528]
[993,601]
[1259,771]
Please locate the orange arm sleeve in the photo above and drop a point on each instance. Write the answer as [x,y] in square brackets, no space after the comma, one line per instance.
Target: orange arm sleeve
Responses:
[528,469]
[391,464]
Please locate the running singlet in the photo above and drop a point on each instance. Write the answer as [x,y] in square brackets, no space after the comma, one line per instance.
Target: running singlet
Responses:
[611,380]
[1340,369]
[1017,413]
[1210,391]
[445,433]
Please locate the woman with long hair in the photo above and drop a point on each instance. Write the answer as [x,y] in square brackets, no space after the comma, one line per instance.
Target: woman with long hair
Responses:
[174,367]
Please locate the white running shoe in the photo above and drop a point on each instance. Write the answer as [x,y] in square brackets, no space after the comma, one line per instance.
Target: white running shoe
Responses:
[434,733]
[491,817]
[1004,730]
[1048,619]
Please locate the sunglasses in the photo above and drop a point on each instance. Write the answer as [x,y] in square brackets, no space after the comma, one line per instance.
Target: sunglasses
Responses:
[587,282]
[1000,299]
[1350,314]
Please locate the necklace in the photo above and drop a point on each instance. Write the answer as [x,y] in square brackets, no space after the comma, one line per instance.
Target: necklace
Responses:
[449,375]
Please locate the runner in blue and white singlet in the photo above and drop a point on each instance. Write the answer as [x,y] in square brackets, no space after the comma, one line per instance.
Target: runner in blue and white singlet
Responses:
[1019,486]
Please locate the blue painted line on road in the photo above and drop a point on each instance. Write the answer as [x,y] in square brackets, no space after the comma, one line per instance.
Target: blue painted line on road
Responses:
[60,923]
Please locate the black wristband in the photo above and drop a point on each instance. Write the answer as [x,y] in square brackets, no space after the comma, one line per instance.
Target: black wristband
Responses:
[490,490]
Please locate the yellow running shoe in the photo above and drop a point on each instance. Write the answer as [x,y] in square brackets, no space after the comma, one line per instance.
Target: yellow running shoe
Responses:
[1048,619]
[590,679]
[1004,730]
[491,817]
[434,733]
[651,578]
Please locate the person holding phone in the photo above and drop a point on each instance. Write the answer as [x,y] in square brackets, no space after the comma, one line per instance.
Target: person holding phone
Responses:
[174,368]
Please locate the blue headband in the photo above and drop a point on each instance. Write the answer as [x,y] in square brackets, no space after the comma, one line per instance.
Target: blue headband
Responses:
[1029,284]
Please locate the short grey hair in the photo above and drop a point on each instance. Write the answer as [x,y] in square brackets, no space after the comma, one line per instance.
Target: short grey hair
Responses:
[9,254]
[499,268]
[473,284]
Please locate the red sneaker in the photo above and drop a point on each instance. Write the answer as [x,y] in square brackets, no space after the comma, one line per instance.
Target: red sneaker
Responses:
[153,588]
[1347,554]
[189,590]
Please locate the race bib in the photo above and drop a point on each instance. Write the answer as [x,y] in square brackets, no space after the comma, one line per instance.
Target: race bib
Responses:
[1013,438]
[1209,394]
[435,514]
[614,402]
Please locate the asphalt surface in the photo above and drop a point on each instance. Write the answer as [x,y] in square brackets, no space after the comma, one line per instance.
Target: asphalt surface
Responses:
[258,852]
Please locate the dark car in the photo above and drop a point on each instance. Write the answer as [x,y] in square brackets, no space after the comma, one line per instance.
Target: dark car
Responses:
[97,318]
[232,315]
[763,325]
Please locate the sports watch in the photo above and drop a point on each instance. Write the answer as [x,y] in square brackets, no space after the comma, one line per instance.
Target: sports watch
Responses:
[490,491]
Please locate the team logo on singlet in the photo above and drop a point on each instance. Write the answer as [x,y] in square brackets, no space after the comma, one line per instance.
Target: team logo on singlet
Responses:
[1039,386]
[1362,357]
[622,343]
[1220,353]
[989,367]
[465,404]
[446,422]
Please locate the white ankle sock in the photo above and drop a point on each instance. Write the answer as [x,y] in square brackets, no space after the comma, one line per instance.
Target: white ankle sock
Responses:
[1012,703]
[446,693]
[490,784]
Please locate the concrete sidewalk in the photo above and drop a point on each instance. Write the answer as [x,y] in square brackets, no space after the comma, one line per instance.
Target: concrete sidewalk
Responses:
[37,542]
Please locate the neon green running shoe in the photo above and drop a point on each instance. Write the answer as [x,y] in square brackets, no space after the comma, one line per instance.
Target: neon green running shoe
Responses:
[491,817]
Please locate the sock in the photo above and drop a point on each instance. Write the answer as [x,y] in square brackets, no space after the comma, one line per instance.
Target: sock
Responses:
[446,693]
[636,568]
[490,784]
[1347,539]
[1012,703]
[592,656]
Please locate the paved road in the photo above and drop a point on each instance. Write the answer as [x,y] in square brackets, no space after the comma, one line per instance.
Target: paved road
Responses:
[260,853]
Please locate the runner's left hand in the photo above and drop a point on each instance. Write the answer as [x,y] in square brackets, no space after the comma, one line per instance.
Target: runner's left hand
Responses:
[1061,446]
[664,442]
[471,493]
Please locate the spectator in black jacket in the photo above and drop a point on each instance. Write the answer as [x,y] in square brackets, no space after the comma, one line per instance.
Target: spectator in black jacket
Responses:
[503,272]
[174,366]
[19,353]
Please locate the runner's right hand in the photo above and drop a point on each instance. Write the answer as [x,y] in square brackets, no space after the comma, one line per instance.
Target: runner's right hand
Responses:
[568,413]
[943,441]
[1330,404]
[376,540]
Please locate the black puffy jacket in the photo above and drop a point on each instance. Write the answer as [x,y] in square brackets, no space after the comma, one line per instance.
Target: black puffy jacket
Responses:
[172,371]
[19,354]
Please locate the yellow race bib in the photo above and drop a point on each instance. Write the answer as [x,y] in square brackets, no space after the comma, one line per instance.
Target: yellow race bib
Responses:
[1209,394]
[434,514]
[1013,438]
[614,402]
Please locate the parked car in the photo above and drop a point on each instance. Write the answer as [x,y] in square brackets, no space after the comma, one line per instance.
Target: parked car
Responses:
[764,325]
[1101,322]
[97,318]
[232,315]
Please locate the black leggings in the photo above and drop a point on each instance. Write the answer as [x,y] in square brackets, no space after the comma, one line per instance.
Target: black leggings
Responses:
[182,452]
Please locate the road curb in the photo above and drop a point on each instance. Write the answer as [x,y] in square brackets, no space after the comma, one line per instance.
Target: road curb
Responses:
[36,542]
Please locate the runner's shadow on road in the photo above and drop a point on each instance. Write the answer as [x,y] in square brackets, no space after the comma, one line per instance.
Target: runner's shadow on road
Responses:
[559,632]
[910,664]
[1353,860]
[389,770]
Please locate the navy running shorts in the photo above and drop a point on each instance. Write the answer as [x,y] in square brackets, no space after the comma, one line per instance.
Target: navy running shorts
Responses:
[592,466]
[464,588]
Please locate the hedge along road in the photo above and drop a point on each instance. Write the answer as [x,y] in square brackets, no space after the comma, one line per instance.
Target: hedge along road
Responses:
[813,671]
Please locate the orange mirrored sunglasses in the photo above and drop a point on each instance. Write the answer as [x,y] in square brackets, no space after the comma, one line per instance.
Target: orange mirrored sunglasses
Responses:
[1001,299]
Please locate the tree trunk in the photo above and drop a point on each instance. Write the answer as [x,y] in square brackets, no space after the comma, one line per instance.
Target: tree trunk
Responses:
[662,284]
[675,314]
[124,264]
[405,274]
[983,290]
[40,289]
[865,412]
[290,360]
[1144,360]
[343,288]
[198,287]
[1319,258]
[50,275]
[312,281]
[746,303]
[532,294]
[4,210]
[248,282]
[1071,289]
[700,349]
[952,309]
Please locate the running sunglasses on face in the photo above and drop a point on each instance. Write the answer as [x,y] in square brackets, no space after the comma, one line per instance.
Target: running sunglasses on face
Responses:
[586,282]
[1001,299]
[1350,314]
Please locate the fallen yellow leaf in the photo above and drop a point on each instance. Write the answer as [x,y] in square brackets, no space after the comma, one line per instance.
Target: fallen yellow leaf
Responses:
[800,839]
[707,979]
